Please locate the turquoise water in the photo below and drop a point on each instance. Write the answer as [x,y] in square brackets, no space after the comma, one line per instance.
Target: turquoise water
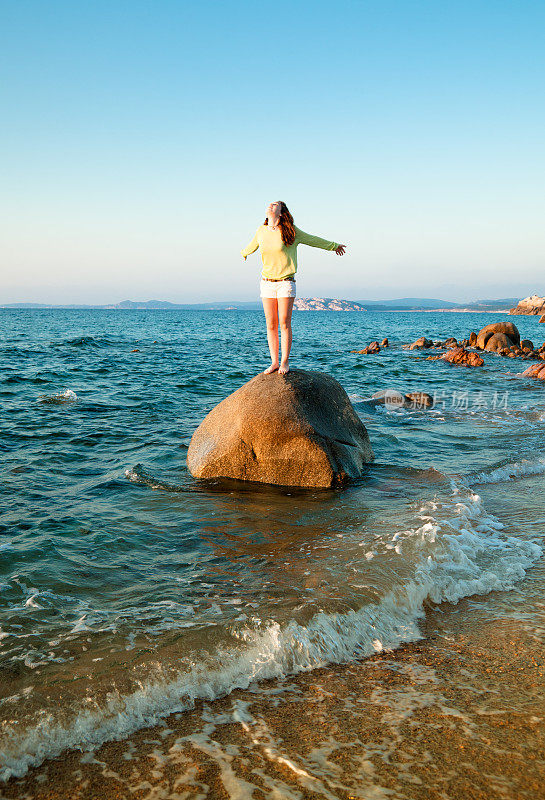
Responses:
[128,589]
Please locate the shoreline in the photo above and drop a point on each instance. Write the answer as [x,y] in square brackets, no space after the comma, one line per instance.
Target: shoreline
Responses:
[439,311]
[258,308]
[387,725]
[382,726]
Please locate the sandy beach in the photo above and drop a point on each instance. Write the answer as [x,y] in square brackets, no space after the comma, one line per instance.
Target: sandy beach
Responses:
[458,715]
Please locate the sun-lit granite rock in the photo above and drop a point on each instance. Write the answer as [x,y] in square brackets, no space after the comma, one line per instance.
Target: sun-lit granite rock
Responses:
[530,305]
[325,304]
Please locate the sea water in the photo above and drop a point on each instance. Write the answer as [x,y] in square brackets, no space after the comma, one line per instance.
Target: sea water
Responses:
[129,590]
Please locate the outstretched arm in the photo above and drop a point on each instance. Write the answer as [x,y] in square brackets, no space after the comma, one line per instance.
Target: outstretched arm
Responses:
[317,241]
[252,247]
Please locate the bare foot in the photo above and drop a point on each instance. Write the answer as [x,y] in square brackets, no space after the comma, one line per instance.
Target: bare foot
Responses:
[284,367]
[270,369]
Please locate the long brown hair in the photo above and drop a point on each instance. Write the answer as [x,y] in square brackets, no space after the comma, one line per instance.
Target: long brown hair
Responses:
[287,228]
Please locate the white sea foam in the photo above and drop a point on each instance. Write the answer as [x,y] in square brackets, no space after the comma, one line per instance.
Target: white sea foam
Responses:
[133,476]
[67,396]
[508,472]
[137,474]
[31,601]
[457,549]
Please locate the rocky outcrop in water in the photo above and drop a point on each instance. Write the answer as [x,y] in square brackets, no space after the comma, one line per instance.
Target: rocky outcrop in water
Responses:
[507,328]
[461,356]
[535,371]
[497,342]
[421,344]
[502,338]
[374,347]
[298,429]
[425,344]
[392,398]
[530,305]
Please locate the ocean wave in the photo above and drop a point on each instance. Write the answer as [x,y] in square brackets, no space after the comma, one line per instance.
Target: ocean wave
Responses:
[457,549]
[67,396]
[138,474]
[82,341]
[508,472]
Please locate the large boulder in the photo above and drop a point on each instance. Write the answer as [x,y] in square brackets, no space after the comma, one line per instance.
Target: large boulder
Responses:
[297,429]
[497,342]
[510,330]
[530,305]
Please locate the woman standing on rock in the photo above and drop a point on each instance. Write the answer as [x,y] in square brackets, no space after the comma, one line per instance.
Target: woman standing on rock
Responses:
[278,238]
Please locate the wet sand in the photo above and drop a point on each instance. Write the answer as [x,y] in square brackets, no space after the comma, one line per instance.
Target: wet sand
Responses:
[457,715]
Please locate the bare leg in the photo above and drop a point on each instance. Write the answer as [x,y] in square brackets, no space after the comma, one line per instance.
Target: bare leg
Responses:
[270,307]
[285,306]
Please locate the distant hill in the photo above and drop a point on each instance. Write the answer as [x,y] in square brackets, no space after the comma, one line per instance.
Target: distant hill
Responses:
[428,304]
[411,303]
[301,304]
[492,305]
[146,305]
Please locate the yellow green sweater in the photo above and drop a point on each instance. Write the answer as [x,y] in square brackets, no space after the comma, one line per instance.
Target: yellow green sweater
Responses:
[280,260]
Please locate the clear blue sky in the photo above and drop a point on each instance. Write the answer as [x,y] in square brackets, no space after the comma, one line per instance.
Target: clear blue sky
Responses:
[142,142]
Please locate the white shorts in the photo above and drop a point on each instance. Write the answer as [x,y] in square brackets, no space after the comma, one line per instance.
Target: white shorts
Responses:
[276,288]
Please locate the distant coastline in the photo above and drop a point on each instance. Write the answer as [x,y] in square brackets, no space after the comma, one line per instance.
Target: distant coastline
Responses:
[447,310]
[415,304]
